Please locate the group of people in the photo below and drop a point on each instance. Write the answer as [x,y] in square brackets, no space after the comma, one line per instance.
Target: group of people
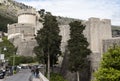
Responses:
[10,70]
[35,71]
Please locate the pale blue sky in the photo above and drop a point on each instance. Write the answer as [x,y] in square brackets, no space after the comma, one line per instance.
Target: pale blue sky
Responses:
[80,9]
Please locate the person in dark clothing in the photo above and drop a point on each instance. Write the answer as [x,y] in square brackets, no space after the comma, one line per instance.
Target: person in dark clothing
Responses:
[33,71]
[37,73]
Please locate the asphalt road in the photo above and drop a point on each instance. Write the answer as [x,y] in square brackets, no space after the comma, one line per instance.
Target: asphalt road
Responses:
[21,76]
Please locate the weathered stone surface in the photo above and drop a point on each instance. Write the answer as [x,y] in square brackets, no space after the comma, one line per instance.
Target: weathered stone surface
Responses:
[110,43]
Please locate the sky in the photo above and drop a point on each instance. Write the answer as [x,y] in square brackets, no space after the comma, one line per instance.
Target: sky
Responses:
[80,9]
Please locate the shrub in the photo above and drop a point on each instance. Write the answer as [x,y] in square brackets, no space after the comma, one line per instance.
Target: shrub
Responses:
[56,77]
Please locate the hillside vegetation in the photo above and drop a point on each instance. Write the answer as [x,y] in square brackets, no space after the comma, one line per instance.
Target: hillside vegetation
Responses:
[4,21]
[8,13]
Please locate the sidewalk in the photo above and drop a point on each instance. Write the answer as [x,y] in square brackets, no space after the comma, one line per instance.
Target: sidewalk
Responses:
[37,79]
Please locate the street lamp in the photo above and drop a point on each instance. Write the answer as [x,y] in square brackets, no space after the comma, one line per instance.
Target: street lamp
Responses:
[14,61]
[14,58]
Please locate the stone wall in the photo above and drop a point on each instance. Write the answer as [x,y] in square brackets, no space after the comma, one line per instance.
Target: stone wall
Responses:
[25,29]
[96,31]
[110,43]
[64,32]
[22,36]
[24,46]
[65,20]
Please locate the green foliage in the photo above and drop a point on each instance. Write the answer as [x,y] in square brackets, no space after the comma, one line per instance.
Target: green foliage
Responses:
[21,60]
[4,21]
[56,77]
[110,66]
[42,13]
[107,74]
[48,40]
[10,48]
[78,47]
[39,53]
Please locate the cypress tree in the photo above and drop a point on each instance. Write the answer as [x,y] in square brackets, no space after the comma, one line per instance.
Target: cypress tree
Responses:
[78,48]
[49,41]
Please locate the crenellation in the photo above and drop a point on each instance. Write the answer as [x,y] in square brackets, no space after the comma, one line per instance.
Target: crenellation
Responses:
[31,11]
[93,19]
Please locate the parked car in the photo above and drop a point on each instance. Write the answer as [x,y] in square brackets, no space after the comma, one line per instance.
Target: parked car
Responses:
[2,74]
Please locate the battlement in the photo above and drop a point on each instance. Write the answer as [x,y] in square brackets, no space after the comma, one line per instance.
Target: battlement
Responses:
[93,19]
[27,11]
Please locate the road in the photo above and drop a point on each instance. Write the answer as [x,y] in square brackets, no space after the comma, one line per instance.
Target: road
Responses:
[21,76]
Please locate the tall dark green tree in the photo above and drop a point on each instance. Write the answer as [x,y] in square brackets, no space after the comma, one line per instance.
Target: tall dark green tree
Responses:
[49,41]
[78,48]
[110,66]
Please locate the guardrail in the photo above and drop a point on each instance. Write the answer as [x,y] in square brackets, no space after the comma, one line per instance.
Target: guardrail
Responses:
[41,78]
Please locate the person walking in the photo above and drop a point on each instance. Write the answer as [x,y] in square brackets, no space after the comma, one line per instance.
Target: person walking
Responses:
[33,71]
[37,72]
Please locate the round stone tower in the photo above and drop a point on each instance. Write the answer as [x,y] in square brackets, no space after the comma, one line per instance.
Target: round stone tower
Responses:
[27,16]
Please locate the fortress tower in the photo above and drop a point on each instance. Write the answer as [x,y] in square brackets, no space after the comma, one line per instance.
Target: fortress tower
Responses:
[96,31]
[27,16]
[21,34]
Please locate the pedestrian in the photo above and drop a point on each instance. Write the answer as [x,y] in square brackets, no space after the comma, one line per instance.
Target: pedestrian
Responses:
[33,71]
[37,73]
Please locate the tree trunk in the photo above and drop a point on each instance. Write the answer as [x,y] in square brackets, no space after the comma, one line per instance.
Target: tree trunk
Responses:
[78,79]
[48,75]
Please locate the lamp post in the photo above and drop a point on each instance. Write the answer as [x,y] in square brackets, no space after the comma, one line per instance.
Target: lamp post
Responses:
[14,61]
[13,67]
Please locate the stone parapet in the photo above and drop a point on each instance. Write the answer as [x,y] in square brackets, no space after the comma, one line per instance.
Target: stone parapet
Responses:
[110,43]
[27,11]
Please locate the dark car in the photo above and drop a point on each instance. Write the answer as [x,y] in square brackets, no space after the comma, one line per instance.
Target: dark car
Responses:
[2,74]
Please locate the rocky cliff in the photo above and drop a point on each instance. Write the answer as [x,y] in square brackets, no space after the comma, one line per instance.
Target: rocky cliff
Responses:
[8,12]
